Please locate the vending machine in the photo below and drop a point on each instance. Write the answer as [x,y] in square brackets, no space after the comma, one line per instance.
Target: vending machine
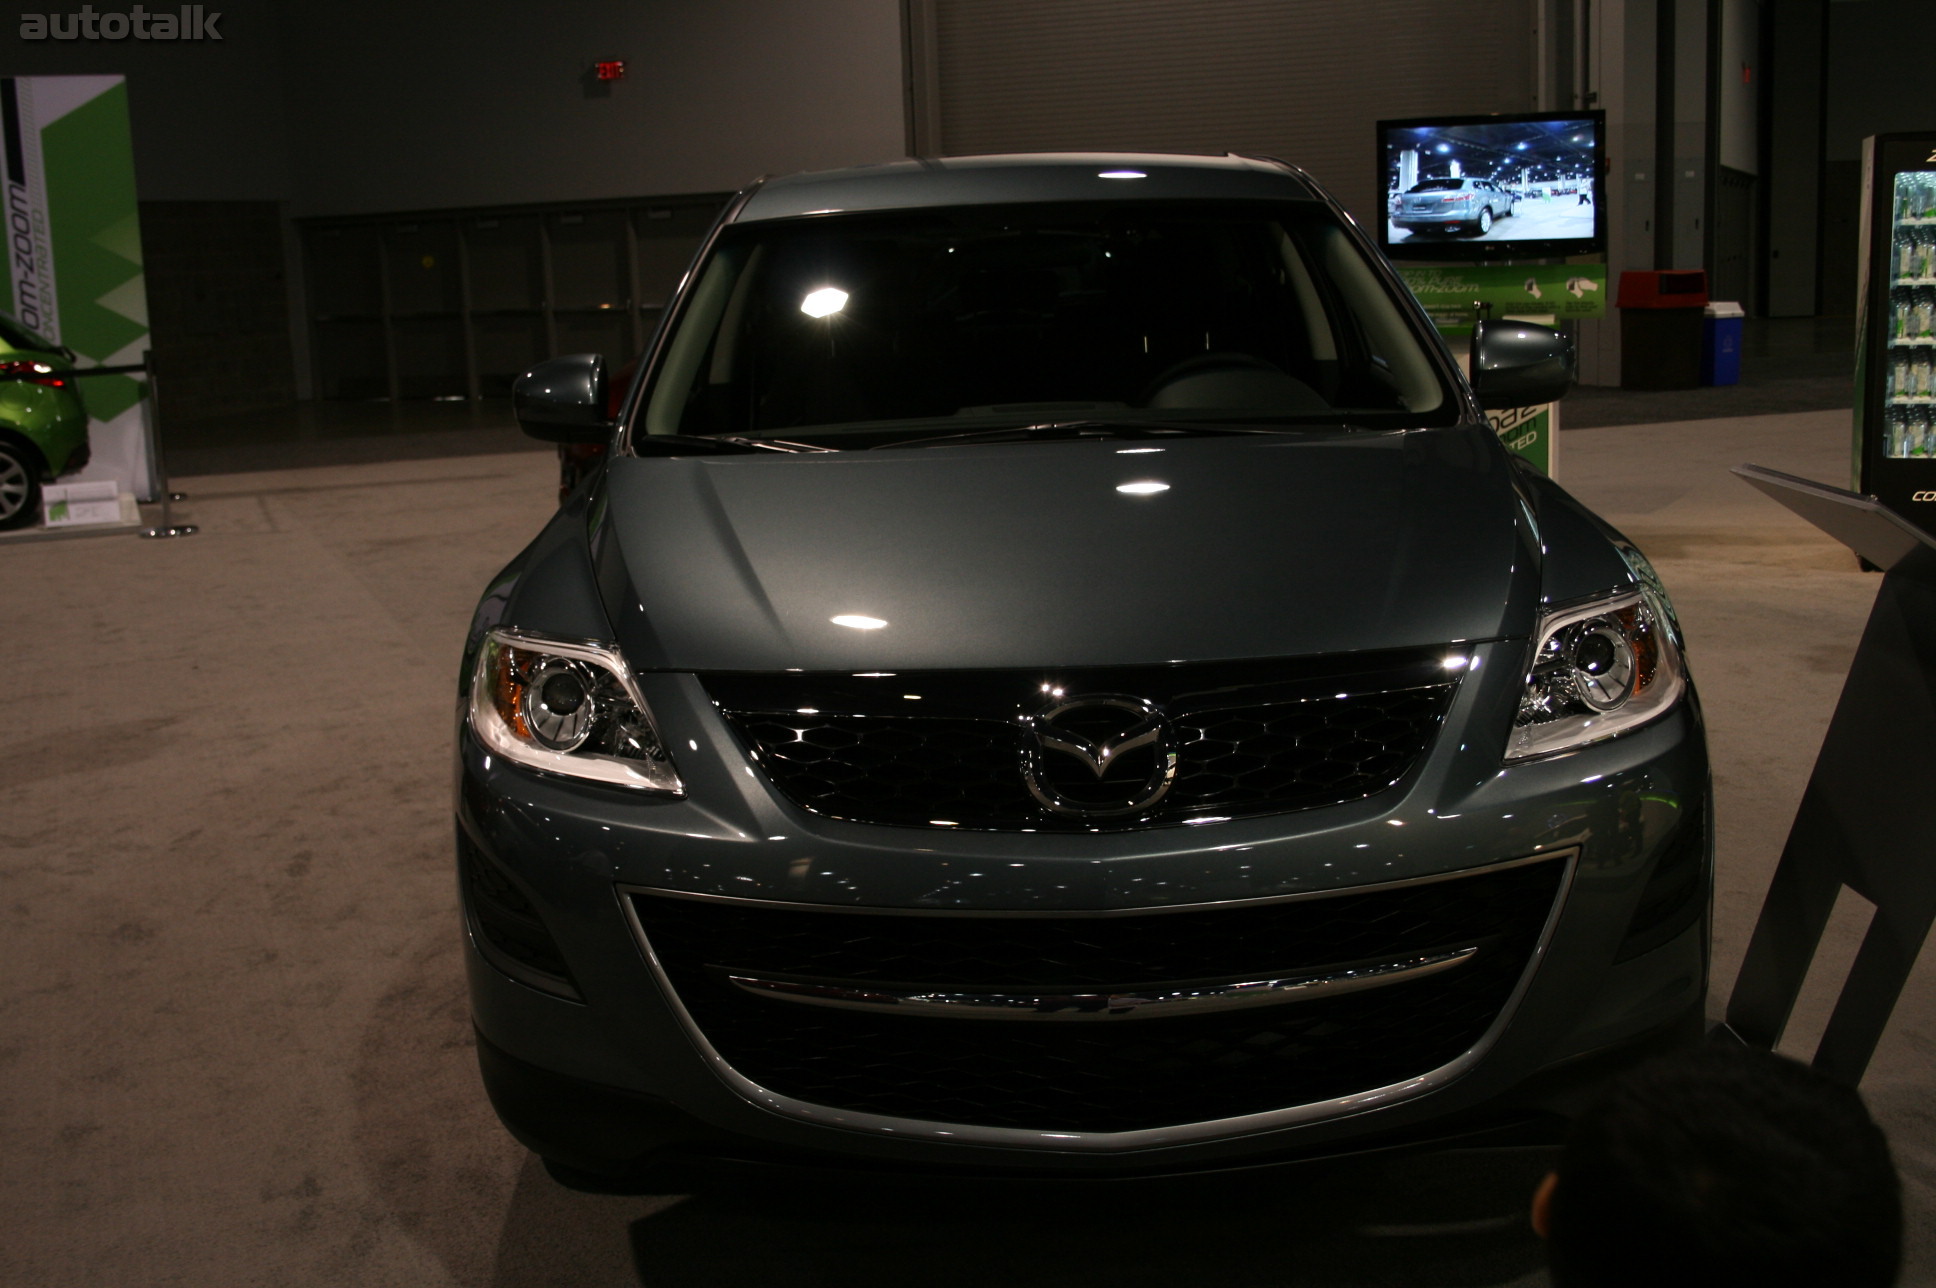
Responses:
[1895,357]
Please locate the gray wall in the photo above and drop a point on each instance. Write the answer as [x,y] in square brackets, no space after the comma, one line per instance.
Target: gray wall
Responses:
[1878,83]
[1738,129]
[400,107]
[1795,60]
[1305,81]
[355,106]
[207,116]
[1691,57]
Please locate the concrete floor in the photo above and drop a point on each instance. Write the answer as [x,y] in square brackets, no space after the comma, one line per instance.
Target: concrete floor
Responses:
[234,1044]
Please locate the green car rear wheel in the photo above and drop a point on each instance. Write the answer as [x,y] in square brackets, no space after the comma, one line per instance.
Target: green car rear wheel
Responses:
[19,488]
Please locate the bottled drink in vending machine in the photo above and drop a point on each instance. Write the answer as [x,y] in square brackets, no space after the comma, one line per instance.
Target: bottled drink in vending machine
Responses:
[1917,197]
[1913,248]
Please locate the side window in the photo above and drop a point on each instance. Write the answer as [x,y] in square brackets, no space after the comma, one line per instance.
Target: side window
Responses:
[1392,357]
[694,362]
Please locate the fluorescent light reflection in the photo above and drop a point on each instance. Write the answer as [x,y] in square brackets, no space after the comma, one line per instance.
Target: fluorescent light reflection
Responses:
[825,302]
[1121,174]
[1142,489]
[856,621]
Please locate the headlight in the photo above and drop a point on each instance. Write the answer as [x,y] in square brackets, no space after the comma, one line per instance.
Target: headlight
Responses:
[1598,670]
[567,708]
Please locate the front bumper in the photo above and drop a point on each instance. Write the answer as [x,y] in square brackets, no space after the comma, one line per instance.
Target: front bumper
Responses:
[602,1028]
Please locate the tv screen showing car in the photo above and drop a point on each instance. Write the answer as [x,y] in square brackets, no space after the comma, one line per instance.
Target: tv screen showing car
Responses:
[1492,187]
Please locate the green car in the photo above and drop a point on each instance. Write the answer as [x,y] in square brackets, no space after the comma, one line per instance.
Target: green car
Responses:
[43,426]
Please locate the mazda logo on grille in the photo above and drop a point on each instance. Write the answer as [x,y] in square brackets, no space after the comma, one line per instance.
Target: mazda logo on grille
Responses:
[1099,755]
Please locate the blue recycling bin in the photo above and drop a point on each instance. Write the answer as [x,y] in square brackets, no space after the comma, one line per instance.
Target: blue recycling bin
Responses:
[1721,344]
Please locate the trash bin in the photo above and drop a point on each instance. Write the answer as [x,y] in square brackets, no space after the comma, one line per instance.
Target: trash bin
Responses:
[1721,343]
[1661,328]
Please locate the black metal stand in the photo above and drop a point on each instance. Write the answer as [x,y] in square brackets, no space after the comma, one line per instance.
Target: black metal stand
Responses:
[1865,819]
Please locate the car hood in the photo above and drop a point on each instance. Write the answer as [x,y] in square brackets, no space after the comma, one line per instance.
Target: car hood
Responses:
[1048,553]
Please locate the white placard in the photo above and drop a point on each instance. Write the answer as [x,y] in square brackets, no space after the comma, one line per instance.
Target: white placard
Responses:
[65,505]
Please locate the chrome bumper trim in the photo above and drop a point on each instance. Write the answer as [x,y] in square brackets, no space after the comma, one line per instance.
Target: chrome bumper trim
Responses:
[1143,1003]
[1139,910]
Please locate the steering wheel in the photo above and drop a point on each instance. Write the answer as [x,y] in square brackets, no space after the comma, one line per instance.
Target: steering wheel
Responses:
[1198,363]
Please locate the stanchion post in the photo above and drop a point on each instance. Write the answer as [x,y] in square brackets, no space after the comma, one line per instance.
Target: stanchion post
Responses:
[151,427]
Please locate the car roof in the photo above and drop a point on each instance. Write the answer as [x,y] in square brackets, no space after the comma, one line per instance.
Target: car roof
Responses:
[920,182]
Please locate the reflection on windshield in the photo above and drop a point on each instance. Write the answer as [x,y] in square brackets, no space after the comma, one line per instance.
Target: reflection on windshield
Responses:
[949,321]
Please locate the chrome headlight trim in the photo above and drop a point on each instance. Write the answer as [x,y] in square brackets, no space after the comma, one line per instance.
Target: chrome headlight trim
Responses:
[498,703]
[1568,701]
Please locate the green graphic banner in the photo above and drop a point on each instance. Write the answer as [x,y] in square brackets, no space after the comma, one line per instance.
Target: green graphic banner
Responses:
[1528,431]
[73,264]
[1565,291]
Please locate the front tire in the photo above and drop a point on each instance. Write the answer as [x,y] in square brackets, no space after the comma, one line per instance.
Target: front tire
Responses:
[1485,221]
[19,487]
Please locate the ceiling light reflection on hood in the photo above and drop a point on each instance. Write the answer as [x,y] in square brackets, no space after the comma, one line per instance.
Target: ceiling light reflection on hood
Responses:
[856,621]
[1150,488]
[825,302]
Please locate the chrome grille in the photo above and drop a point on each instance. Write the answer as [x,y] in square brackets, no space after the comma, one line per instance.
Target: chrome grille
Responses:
[1252,737]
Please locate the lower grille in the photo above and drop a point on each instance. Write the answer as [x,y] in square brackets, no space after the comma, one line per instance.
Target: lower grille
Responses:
[1102,1076]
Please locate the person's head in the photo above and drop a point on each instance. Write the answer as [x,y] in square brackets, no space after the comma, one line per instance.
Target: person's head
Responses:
[1723,1166]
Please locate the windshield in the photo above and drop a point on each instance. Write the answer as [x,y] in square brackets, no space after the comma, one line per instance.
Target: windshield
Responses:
[896,326]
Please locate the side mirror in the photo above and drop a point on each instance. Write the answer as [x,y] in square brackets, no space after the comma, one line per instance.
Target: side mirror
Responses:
[563,400]
[1519,364]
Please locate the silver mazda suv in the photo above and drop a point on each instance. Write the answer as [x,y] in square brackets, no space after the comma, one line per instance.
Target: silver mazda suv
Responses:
[1057,674]
[1452,205]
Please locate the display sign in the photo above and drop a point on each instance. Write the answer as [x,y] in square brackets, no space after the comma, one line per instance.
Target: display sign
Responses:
[66,505]
[1566,292]
[1528,432]
[1525,186]
[73,264]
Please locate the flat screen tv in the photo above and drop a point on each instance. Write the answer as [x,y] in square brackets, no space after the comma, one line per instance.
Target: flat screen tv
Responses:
[1524,186]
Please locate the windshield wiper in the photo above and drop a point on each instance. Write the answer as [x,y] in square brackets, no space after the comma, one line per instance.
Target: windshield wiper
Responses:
[1064,430]
[713,445]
